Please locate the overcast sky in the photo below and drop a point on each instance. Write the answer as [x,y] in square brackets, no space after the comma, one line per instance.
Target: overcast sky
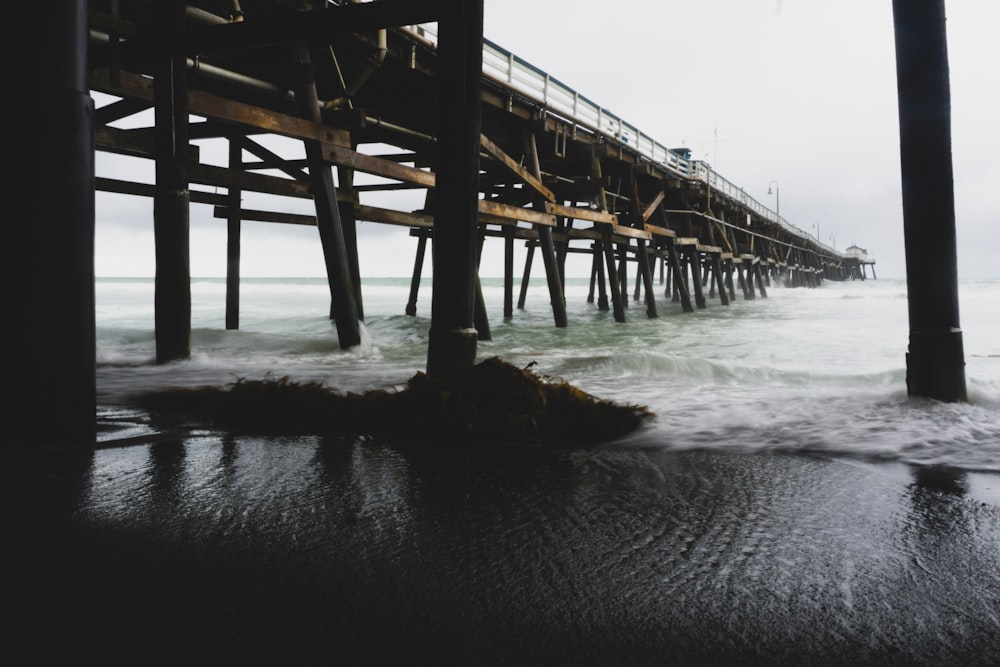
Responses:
[801,93]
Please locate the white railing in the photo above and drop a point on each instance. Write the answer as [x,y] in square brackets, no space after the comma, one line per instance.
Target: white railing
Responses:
[559,99]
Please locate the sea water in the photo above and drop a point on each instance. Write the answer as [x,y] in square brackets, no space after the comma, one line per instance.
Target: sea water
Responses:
[804,370]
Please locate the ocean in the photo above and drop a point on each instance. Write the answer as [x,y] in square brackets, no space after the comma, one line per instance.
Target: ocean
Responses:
[789,505]
[804,370]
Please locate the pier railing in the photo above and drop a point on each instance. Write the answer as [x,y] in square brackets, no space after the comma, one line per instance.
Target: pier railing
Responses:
[559,99]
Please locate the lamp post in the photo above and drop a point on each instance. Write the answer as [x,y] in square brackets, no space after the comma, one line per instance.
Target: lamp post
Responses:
[816,226]
[777,198]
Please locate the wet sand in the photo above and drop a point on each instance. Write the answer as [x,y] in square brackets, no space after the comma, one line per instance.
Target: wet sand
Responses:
[220,549]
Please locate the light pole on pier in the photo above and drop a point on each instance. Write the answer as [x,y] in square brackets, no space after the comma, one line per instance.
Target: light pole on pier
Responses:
[777,198]
[816,226]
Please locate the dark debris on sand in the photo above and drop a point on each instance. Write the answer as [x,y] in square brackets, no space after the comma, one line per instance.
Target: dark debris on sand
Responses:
[493,401]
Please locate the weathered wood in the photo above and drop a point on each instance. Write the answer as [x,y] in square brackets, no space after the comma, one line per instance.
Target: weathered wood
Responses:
[452,339]
[318,25]
[648,213]
[346,157]
[171,203]
[525,175]
[233,246]
[348,217]
[547,248]
[48,268]
[508,273]
[418,267]
[505,213]
[578,213]
[526,278]
[935,360]
[328,220]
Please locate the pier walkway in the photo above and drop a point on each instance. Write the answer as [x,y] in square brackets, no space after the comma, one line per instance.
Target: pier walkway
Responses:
[557,171]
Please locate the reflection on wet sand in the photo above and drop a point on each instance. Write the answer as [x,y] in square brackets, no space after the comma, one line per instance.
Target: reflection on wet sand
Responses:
[304,550]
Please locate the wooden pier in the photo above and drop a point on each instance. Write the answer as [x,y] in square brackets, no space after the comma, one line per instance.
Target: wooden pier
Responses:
[557,171]
[383,98]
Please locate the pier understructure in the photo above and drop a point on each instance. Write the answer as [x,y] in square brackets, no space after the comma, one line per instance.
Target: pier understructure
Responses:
[359,85]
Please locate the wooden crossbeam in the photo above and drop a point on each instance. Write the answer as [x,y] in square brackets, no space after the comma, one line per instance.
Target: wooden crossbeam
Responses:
[346,157]
[315,26]
[516,213]
[581,213]
[648,213]
[656,230]
[512,165]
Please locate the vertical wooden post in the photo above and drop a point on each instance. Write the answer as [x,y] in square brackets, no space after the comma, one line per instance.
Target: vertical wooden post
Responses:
[328,220]
[719,278]
[605,244]
[594,263]
[233,232]
[748,263]
[481,318]
[647,279]
[623,273]
[617,300]
[48,268]
[345,179]
[935,362]
[171,200]
[508,273]
[602,291]
[418,267]
[547,247]
[694,259]
[452,339]
[526,277]
[729,280]
[680,285]
[760,280]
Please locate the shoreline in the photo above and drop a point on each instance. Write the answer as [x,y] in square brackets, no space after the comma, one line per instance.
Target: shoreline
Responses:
[206,547]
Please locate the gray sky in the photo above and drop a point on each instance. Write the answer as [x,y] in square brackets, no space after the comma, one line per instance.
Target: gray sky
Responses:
[799,92]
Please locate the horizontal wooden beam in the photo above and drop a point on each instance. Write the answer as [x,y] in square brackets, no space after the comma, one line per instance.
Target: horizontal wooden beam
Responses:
[102,184]
[247,214]
[656,230]
[215,107]
[631,232]
[498,210]
[581,213]
[317,26]
[377,166]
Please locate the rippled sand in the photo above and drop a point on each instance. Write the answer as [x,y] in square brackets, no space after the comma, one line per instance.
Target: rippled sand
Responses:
[213,549]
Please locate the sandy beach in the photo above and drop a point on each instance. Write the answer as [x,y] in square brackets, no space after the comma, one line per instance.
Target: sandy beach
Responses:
[207,548]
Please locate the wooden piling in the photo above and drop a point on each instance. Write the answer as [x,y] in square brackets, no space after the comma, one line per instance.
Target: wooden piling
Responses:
[526,276]
[349,223]
[508,273]
[547,247]
[647,279]
[328,220]
[935,362]
[172,199]
[233,244]
[452,339]
[418,267]
[48,270]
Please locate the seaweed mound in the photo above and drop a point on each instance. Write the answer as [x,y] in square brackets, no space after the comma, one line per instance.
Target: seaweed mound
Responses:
[492,401]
